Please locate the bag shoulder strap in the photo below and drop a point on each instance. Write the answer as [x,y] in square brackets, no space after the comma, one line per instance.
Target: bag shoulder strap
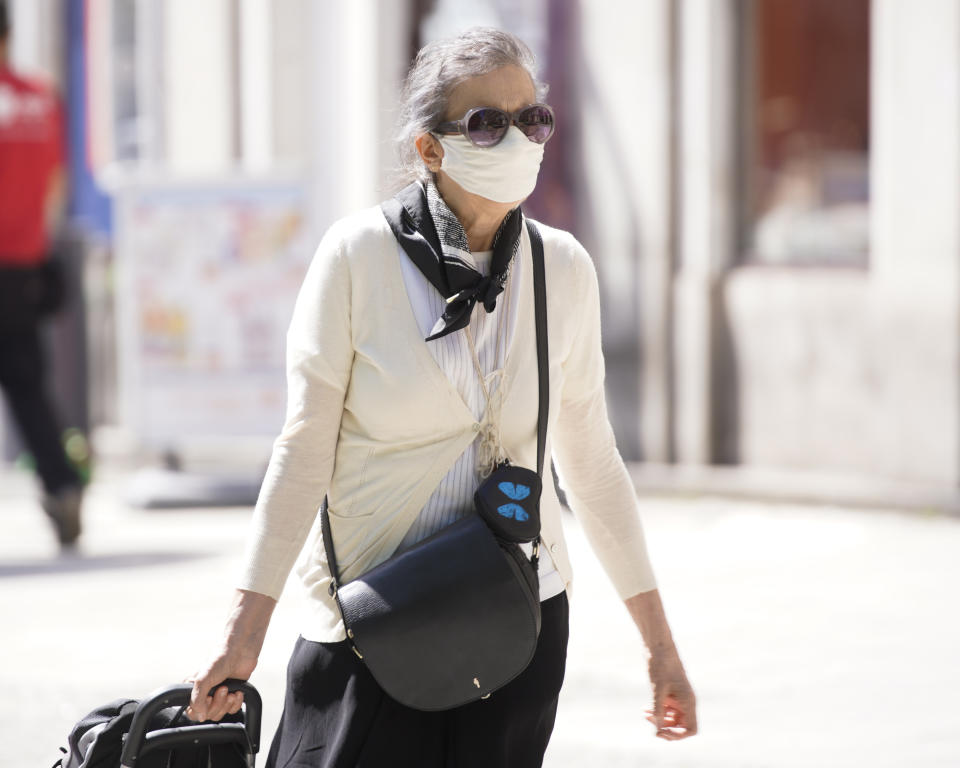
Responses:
[543,352]
[543,376]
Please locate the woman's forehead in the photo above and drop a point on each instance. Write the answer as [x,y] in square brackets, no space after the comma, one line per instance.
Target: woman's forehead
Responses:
[507,88]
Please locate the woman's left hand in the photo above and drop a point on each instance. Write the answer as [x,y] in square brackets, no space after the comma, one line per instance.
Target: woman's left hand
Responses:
[674,710]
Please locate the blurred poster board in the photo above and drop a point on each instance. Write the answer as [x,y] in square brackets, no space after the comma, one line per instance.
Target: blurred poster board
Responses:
[207,278]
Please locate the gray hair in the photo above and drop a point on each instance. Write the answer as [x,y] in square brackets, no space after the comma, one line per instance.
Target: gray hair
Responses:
[440,67]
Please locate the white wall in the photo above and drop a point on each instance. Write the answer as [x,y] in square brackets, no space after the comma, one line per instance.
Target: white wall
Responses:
[916,232]
[808,370]
[858,371]
[198,86]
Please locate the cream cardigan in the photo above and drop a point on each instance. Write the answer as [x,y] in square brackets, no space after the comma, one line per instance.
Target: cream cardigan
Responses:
[373,422]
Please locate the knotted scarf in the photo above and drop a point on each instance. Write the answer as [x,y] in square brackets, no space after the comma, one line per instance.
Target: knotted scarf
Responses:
[428,220]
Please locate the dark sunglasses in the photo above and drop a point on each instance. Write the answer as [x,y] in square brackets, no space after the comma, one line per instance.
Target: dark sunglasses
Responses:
[486,126]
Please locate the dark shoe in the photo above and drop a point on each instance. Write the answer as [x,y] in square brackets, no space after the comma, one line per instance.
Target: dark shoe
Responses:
[63,509]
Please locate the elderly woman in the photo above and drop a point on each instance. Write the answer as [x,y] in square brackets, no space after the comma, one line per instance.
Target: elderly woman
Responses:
[402,399]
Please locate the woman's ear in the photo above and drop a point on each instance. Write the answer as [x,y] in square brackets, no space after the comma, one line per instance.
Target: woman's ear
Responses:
[431,152]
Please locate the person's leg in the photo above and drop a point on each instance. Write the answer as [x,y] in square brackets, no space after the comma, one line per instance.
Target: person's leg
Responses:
[23,379]
[335,715]
[511,729]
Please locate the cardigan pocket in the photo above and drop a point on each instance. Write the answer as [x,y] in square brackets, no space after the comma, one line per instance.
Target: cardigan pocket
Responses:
[343,490]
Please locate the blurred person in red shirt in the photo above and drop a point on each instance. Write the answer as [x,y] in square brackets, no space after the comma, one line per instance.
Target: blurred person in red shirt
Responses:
[31,288]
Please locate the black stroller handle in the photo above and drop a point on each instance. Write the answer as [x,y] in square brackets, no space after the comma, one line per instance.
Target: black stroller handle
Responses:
[210,733]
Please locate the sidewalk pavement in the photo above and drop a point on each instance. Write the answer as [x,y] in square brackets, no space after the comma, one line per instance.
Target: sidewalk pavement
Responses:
[813,636]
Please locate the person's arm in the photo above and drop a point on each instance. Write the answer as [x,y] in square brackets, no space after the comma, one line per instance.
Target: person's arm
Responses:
[603,497]
[243,637]
[55,201]
[674,710]
[319,360]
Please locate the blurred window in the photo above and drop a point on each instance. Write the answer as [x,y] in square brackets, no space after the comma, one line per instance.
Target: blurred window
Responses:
[807,131]
[187,88]
[128,129]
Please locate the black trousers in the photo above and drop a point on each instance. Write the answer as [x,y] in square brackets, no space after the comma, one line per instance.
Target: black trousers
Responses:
[336,716]
[23,380]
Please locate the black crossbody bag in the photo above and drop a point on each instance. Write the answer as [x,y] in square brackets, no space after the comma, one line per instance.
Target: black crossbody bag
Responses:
[457,616]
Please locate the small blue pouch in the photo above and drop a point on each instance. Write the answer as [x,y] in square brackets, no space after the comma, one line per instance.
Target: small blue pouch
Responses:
[509,502]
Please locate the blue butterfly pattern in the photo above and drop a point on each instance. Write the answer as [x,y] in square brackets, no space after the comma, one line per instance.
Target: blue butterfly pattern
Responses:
[513,511]
[516,492]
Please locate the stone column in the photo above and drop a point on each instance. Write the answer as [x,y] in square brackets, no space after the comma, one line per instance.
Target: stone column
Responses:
[707,174]
[359,57]
[915,232]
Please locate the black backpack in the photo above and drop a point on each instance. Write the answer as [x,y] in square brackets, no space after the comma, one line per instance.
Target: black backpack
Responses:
[155,733]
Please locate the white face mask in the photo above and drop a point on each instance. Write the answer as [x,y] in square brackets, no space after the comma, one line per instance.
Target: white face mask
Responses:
[505,173]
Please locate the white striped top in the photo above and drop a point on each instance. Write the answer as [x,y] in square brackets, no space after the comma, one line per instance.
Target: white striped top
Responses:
[453,498]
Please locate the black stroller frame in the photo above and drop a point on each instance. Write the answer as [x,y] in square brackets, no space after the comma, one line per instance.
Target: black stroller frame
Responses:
[140,741]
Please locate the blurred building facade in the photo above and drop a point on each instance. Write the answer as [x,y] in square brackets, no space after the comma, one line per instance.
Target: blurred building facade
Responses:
[796,197]
[814,294]
[769,188]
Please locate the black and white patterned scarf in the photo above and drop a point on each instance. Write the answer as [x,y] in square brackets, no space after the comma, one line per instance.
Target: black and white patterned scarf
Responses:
[465,286]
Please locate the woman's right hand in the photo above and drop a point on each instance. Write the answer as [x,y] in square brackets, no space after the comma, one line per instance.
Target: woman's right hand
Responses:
[226,664]
[236,658]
